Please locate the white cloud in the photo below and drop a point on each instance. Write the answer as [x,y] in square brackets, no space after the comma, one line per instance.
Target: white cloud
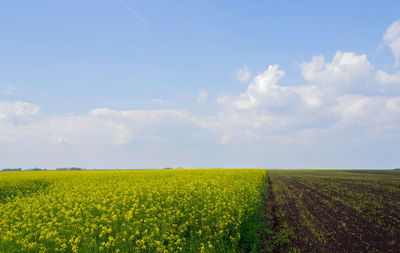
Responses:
[202,96]
[101,126]
[343,101]
[366,114]
[387,78]
[392,39]
[346,72]
[243,74]
[310,70]
[17,109]
[266,109]
[75,130]
[345,93]
[262,91]
[355,106]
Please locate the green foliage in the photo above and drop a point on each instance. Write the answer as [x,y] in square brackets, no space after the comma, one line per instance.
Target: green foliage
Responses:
[22,187]
[282,238]
[255,224]
[131,211]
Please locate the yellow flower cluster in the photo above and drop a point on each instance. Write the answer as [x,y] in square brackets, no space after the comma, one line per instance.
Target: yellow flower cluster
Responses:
[127,211]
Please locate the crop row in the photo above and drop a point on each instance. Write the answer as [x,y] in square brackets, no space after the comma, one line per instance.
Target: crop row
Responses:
[339,211]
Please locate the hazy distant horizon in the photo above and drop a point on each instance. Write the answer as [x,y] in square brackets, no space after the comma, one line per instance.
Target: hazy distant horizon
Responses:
[167,168]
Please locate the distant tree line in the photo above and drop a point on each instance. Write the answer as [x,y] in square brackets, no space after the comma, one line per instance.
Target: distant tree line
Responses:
[12,169]
[69,169]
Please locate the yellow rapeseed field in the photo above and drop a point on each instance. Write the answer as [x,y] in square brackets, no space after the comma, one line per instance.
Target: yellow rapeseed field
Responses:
[128,211]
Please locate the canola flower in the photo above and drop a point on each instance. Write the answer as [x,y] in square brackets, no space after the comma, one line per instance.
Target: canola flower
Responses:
[127,211]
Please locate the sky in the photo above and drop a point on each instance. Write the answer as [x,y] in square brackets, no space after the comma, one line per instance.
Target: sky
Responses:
[199,84]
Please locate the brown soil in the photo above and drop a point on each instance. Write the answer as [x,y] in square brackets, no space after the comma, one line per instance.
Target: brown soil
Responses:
[272,212]
[269,210]
[383,172]
[336,226]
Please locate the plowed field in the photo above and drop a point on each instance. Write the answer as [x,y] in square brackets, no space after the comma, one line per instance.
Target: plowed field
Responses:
[339,211]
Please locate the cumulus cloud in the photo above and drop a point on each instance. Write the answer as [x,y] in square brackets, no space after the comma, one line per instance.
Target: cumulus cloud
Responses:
[392,39]
[266,109]
[17,109]
[243,74]
[262,91]
[202,96]
[311,70]
[344,93]
[347,72]
[343,97]
[387,78]
[367,114]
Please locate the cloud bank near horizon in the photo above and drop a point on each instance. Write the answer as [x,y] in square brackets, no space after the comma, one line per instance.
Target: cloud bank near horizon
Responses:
[344,98]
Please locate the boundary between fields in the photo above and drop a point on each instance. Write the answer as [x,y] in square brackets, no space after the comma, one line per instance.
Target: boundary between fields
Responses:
[274,237]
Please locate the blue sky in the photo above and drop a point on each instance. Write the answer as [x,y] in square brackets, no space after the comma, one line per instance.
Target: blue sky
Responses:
[143,84]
